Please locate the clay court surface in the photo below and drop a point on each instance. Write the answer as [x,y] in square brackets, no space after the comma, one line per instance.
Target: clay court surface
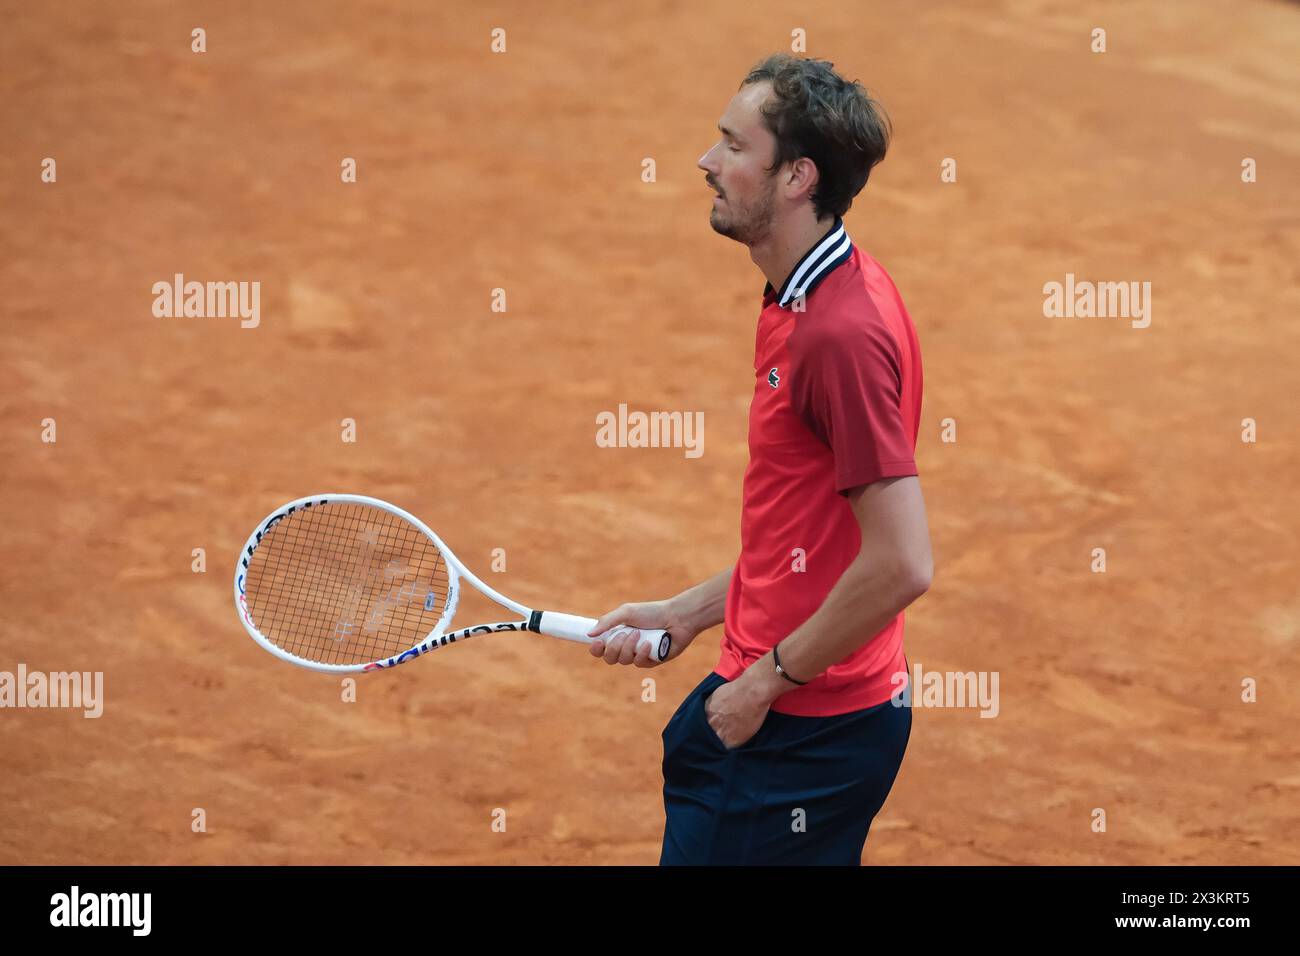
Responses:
[522,171]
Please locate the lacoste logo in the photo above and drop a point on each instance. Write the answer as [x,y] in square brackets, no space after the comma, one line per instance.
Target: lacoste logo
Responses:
[773,379]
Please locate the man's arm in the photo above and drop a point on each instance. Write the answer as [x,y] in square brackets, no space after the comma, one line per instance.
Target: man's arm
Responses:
[704,605]
[684,616]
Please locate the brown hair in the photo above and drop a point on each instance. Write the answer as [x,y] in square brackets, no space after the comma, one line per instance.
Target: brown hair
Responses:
[814,112]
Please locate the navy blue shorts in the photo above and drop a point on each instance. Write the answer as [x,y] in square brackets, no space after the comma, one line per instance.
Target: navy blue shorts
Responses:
[803,791]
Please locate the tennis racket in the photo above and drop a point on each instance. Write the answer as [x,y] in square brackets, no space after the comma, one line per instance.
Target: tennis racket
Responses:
[345,583]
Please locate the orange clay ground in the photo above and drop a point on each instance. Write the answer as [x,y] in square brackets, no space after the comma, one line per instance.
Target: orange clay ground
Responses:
[522,171]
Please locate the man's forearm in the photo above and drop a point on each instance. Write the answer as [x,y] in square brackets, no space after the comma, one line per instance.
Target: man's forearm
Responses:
[704,605]
[868,595]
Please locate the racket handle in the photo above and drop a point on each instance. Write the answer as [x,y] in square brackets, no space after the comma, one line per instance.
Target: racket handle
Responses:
[570,627]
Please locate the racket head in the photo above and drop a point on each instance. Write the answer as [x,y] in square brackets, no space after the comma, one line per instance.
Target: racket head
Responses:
[345,583]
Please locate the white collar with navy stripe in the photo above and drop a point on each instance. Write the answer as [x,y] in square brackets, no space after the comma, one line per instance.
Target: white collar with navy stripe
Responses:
[828,252]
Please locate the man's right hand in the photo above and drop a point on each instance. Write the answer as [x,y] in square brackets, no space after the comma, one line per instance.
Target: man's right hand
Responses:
[647,615]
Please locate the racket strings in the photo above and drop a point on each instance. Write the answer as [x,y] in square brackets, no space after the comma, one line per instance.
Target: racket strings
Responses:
[346,583]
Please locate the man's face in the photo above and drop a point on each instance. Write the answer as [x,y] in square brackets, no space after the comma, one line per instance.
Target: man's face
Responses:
[736,168]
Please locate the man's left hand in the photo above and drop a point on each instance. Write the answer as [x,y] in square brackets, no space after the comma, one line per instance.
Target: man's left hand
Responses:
[735,711]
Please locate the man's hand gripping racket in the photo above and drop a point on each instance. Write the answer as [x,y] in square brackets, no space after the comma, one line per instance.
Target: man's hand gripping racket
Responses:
[614,636]
[343,583]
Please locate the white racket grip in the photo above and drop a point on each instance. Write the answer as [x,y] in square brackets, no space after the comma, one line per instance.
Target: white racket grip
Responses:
[571,627]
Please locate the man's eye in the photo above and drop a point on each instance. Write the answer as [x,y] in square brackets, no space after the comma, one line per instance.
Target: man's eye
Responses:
[734,149]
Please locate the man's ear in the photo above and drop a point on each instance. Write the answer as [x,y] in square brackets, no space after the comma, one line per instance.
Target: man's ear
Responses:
[803,177]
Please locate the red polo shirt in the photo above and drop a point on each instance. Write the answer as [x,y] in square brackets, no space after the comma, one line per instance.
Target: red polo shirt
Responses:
[837,404]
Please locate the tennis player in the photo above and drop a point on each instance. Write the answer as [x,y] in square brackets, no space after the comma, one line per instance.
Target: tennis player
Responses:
[787,750]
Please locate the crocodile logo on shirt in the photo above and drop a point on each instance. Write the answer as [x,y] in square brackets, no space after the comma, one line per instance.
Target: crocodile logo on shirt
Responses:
[773,379]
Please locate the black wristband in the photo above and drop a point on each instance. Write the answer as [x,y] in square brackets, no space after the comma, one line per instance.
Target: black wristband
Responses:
[776,656]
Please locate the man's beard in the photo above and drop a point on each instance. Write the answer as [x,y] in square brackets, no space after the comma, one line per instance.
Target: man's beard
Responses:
[749,226]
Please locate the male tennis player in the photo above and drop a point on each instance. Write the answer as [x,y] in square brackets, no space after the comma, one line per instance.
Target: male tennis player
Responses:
[785,752]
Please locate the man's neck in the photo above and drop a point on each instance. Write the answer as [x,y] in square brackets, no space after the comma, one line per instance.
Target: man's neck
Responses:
[784,247]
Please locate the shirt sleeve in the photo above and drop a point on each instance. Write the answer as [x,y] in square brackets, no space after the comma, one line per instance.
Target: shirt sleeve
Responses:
[848,391]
